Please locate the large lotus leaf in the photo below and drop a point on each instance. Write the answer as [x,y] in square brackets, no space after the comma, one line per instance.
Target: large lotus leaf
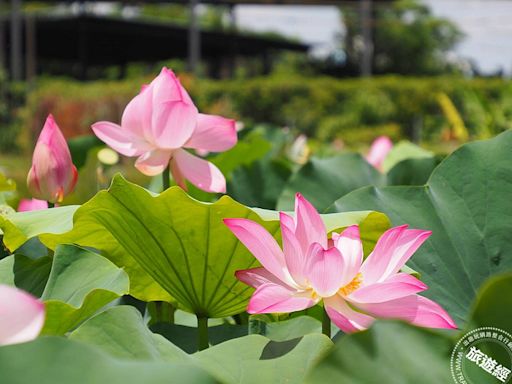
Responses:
[25,273]
[284,330]
[389,352]
[467,204]
[89,232]
[18,227]
[394,352]
[323,180]
[55,360]
[121,331]
[492,308]
[181,243]
[412,171]
[186,337]
[80,283]
[493,305]
[256,359]
[259,184]
[252,147]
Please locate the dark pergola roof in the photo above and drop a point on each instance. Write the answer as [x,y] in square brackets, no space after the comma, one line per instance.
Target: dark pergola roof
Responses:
[114,40]
[90,40]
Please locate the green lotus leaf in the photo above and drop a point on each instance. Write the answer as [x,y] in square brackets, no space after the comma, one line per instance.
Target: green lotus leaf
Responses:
[80,283]
[467,204]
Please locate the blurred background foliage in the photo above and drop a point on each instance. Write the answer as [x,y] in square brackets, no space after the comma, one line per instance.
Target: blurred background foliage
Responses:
[418,93]
[352,110]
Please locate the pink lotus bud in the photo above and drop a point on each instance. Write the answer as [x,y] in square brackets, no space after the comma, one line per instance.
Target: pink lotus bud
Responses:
[32,205]
[52,175]
[378,151]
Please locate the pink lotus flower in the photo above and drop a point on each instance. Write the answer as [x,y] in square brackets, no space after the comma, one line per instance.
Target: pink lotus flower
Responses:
[21,316]
[52,175]
[311,268]
[159,123]
[378,151]
[32,205]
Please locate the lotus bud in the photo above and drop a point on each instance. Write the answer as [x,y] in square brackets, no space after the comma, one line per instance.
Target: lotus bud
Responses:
[52,175]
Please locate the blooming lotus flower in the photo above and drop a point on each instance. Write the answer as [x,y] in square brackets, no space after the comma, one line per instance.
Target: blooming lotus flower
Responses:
[52,175]
[159,123]
[378,151]
[32,205]
[310,268]
[21,316]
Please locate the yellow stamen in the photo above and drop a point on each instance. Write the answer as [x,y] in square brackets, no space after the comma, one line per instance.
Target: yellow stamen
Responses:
[352,286]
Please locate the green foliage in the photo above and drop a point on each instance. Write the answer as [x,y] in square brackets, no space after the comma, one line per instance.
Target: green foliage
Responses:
[52,360]
[399,353]
[354,110]
[255,359]
[407,38]
[158,245]
[322,181]
[6,184]
[402,151]
[466,204]
[18,227]
[71,296]
[121,332]
[388,352]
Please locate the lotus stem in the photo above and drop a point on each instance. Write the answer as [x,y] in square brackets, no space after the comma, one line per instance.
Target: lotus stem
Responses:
[326,325]
[166,178]
[202,333]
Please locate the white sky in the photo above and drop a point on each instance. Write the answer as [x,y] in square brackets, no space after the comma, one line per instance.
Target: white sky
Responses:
[486,23]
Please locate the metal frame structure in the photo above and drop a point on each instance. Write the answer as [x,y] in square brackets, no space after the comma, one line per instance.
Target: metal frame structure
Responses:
[194,34]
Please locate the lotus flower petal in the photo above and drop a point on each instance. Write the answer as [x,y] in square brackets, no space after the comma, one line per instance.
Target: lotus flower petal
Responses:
[26,205]
[213,134]
[256,277]
[154,162]
[201,173]
[345,318]
[294,257]
[379,151]
[119,139]
[394,287]
[415,309]
[272,298]
[262,245]
[309,225]
[324,269]
[21,316]
[391,252]
[351,248]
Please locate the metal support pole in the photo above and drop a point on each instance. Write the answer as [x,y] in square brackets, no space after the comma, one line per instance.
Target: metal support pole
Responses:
[3,61]
[16,34]
[365,11]
[194,38]
[232,17]
[30,47]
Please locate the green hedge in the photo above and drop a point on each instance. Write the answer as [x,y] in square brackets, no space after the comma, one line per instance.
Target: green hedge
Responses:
[323,107]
